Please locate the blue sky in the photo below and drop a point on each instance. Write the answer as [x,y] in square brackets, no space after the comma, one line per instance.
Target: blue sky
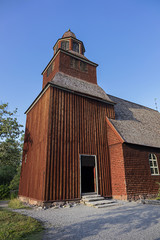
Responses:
[122,36]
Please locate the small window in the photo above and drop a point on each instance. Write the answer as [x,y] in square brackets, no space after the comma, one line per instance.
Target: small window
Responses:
[83,66]
[56,48]
[50,69]
[83,51]
[75,47]
[65,45]
[74,63]
[153,164]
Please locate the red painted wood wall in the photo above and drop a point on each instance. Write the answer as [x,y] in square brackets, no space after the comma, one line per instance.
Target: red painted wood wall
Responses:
[32,180]
[62,126]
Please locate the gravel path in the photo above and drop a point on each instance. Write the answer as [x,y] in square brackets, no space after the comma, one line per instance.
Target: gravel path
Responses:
[129,221]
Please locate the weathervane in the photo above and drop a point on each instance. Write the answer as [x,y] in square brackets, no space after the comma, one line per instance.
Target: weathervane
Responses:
[155,100]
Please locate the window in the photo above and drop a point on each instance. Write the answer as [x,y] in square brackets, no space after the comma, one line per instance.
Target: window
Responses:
[50,69]
[75,47]
[65,45]
[153,164]
[74,63]
[56,48]
[83,66]
[83,51]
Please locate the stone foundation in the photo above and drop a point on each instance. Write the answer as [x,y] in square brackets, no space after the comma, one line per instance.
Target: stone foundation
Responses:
[31,201]
[47,204]
[120,197]
[137,197]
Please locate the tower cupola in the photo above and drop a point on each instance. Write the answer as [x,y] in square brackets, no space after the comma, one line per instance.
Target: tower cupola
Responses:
[69,59]
[69,42]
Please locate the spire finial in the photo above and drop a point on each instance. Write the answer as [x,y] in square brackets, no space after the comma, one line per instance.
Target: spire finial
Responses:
[68,33]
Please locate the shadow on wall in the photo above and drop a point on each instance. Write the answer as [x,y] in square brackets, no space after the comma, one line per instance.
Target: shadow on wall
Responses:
[27,141]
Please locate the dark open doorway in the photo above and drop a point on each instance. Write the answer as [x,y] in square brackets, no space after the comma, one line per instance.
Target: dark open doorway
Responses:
[88,174]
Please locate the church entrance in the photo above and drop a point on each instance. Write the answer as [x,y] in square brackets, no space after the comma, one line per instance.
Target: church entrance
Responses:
[88,166]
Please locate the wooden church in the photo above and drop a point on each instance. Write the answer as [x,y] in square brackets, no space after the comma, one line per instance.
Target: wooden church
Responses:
[80,140]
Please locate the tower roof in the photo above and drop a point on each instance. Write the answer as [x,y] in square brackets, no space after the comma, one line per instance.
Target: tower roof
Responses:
[68,34]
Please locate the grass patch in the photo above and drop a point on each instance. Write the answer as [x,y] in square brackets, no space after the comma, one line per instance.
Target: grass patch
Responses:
[16,204]
[16,226]
[5,199]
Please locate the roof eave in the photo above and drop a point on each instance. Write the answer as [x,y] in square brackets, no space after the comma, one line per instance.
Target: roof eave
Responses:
[121,139]
[68,90]
[81,94]
[69,38]
[142,145]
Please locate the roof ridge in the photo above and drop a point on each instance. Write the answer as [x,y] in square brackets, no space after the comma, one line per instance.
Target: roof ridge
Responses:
[133,103]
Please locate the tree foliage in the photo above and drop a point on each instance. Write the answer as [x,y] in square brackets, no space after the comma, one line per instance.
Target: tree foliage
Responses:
[9,126]
[14,184]
[10,133]
[10,148]
[6,174]
[10,153]
[4,191]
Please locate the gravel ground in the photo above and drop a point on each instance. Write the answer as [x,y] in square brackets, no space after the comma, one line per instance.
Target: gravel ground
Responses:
[129,221]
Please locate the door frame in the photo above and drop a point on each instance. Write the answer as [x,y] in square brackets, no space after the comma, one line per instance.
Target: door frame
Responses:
[96,172]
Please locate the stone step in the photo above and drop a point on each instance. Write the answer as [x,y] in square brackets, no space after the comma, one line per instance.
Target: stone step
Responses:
[96,203]
[92,199]
[106,205]
[89,193]
[90,196]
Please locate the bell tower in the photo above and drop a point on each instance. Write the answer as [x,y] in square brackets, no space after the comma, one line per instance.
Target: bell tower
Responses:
[69,58]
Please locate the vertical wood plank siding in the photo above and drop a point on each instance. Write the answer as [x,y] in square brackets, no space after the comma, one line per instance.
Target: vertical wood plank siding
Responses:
[77,126]
[32,180]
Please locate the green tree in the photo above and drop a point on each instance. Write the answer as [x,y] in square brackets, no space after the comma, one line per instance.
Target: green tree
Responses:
[10,152]
[6,174]
[9,126]
[14,184]
[10,144]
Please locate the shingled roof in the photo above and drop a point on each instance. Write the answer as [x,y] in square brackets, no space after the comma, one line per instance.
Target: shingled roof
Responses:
[80,86]
[136,124]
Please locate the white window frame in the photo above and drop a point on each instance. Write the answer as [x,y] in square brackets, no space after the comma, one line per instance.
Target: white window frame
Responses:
[153,163]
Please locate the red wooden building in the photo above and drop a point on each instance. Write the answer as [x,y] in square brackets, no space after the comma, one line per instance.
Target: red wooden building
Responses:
[78,139]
